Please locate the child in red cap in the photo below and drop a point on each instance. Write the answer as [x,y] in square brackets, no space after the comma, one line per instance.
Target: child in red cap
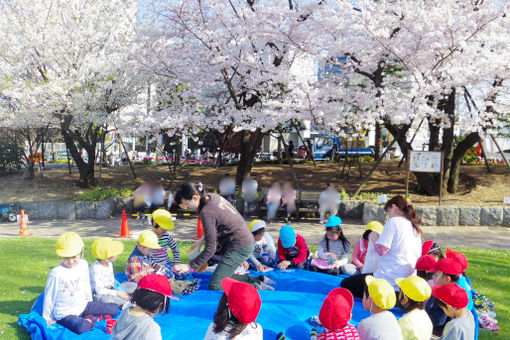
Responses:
[236,314]
[151,297]
[425,267]
[335,314]
[446,270]
[453,299]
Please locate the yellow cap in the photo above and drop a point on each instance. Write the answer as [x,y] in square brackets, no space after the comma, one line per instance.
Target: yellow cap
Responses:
[381,292]
[256,225]
[148,239]
[375,226]
[414,287]
[69,244]
[105,247]
[163,218]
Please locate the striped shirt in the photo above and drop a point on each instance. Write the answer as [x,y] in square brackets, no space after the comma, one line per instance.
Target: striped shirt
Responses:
[161,255]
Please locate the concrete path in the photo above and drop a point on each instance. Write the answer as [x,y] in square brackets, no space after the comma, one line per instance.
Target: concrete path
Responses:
[469,237]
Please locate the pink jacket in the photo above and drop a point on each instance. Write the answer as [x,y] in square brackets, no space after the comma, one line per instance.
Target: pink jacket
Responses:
[359,252]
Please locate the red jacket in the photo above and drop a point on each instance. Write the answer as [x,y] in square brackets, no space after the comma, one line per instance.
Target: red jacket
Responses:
[283,253]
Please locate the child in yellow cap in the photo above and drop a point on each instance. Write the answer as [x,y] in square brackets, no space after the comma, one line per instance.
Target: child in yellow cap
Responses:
[67,296]
[162,222]
[102,281]
[264,254]
[378,297]
[139,264]
[415,324]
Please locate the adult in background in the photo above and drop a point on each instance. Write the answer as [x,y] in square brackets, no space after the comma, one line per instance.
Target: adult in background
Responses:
[224,228]
[398,248]
[329,201]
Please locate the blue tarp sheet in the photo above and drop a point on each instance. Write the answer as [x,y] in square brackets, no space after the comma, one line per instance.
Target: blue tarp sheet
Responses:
[298,296]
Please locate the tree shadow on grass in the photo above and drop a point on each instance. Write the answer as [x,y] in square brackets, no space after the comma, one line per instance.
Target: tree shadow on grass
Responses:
[19,332]
[33,289]
[15,308]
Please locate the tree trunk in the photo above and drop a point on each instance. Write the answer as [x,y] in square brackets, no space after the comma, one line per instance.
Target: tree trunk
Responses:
[434,135]
[448,137]
[88,141]
[378,140]
[248,154]
[279,152]
[458,155]
[289,160]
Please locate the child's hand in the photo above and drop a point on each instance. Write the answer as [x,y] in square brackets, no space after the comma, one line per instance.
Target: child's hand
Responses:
[158,267]
[51,321]
[123,295]
[261,268]
[283,265]
[245,265]
[331,256]
[181,268]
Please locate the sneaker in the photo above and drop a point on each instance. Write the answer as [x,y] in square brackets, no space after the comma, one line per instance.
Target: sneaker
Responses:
[265,286]
[280,336]
[313,334]
[489,326]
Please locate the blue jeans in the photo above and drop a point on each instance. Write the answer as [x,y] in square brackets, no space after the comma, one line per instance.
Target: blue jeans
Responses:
[78,324]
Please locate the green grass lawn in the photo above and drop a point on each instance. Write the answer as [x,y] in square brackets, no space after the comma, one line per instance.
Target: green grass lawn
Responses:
[26,262]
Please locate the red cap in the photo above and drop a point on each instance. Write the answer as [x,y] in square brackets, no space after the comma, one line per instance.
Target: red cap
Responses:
[461,258]
[452,294]
[426,263]
[243,300]
[156,283]
[448,266]
[336,309]
[425,248]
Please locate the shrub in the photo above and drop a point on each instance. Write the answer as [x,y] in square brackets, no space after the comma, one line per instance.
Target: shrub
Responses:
[100,194]
[10,157]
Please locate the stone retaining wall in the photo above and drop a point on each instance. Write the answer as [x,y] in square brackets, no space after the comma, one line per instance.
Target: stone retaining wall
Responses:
[448,215]
[365,211]
[76,210]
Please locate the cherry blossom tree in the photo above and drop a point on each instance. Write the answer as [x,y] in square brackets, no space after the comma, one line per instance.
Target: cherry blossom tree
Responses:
[416,60]
[238,59]
[61,65]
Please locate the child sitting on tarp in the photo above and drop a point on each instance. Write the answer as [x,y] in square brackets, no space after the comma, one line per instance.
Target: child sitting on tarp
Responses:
[335,313]
[292,249]
[162,222]
[446,270]
[67,296]
[415,324]
[102,281]
[264,254]
[361,247]
[139,263]
[150,298]
[453,300]
[378,298]
[237,311]
[334,251]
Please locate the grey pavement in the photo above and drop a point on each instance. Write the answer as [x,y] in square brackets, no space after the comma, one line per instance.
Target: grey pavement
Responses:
[469,237]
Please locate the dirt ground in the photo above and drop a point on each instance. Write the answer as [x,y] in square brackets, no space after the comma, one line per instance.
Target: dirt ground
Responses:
[477,187]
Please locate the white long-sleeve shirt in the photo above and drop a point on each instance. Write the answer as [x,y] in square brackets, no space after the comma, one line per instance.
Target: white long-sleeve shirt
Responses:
[102,280]
[67,291]
[265,245]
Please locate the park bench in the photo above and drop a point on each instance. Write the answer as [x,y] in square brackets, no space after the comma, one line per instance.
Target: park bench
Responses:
[307,202]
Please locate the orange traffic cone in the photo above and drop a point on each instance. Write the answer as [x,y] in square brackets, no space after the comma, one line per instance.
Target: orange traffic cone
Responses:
[23,227]
[124,228]
[200,229]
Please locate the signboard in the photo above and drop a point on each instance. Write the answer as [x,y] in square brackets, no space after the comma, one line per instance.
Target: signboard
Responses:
[425,161]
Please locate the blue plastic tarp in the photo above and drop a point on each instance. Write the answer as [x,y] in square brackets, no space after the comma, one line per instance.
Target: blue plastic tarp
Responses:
[298,296]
